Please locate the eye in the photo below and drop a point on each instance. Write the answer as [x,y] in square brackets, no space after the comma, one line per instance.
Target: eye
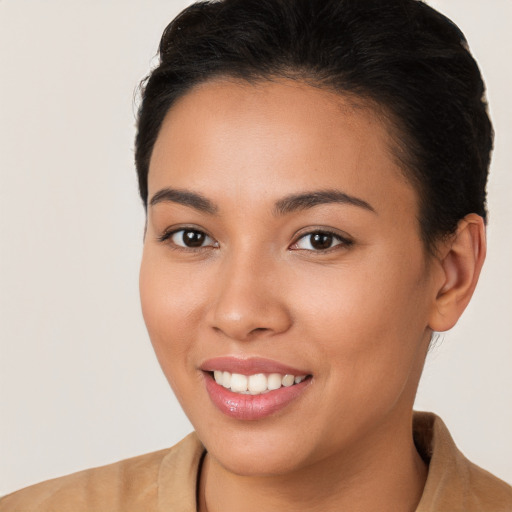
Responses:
[189,238]
[319,241]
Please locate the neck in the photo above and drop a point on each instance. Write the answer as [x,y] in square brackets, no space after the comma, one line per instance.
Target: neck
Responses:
[386,474]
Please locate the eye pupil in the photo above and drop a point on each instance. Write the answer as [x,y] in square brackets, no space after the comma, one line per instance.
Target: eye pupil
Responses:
[321,240]
[193,238]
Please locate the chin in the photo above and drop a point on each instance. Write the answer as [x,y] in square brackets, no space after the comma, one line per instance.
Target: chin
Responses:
[255,452]
[264,464]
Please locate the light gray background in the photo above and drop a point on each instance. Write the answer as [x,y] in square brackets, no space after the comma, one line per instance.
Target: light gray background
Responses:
[79,383]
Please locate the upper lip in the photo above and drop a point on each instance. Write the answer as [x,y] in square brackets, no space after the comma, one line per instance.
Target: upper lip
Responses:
[249,366]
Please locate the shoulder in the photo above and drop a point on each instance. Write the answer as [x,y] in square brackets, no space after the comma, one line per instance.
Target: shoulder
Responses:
[488,491]
[455,484]
[129,485]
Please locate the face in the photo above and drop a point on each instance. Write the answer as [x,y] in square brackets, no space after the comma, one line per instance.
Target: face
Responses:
[283,246]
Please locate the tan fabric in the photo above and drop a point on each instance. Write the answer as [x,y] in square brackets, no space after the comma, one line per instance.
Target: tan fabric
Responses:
[165,481]
[454,484]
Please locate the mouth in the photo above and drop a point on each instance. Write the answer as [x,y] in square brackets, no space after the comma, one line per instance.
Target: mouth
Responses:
[257,383]
[252,389]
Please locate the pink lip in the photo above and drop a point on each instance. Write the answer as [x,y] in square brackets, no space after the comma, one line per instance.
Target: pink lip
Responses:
[251,407]
[249,366]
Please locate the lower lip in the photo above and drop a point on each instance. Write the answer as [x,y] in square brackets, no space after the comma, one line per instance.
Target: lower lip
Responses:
[252,407]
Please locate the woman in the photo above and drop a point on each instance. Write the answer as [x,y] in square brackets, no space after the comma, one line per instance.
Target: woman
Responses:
[314,177]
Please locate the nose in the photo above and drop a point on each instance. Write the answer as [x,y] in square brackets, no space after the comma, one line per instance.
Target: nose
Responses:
[249,300]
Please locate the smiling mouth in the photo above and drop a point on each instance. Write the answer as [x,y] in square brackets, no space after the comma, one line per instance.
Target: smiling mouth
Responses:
[253,388]
[255,384]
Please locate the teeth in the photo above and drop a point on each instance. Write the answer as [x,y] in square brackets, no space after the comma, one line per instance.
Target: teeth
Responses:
[255,384]
[238,383]
[288,380]
[274,381]
[226,379]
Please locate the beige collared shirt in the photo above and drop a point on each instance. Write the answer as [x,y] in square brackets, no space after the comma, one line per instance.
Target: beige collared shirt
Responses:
[165,481]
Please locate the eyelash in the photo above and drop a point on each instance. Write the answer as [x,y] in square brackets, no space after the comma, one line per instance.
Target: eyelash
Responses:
[167,235]
[343,241]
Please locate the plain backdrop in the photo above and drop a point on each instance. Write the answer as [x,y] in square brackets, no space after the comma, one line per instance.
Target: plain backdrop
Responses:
[79,384]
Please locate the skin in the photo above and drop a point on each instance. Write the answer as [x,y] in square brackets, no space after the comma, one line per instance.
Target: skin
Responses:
[358,316]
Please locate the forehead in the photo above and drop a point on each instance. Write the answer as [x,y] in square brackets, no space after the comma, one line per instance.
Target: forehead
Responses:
[226,137]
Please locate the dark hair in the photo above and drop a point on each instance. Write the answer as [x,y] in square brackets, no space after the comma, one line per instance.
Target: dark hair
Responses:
[401,55]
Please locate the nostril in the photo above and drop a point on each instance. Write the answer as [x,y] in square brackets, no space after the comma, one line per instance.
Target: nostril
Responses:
[259,329]
[242,320]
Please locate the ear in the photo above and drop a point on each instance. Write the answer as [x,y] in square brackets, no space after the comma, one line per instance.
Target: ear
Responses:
[461,260]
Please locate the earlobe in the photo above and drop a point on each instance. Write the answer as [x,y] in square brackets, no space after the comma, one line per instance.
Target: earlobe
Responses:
[460,262]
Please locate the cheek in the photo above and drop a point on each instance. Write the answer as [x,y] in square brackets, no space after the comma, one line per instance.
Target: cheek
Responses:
[369,323]
[364,297]
[173,302]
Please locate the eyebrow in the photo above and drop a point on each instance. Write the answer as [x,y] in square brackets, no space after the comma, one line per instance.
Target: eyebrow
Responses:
[186,198]
[308,200]
[284,206]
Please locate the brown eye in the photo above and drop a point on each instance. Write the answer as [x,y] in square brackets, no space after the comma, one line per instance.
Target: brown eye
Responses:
[191,238]
[320,241]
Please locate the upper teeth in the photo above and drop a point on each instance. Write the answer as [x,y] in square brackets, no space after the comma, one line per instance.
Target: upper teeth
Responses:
[255,384]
